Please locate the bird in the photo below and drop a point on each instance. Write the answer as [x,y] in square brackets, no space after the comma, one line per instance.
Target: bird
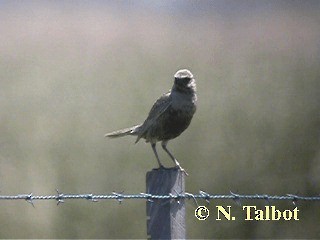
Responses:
[169,116]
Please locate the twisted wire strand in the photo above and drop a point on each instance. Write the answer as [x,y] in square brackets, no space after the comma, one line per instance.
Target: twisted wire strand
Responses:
[61,197]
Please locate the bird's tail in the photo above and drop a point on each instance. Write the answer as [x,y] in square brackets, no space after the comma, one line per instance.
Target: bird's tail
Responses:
[123,132]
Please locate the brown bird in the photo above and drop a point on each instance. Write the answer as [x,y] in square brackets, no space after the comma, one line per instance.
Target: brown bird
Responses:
[169,116]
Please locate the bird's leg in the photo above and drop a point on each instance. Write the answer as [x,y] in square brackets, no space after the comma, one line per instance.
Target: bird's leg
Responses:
[164,146]
[153,145]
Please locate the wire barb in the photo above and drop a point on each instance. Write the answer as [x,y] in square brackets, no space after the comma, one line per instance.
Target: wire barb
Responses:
[119,196]
[236,198]
[29,199]
[205,195]
[266,197]
[294,198]
[59,197]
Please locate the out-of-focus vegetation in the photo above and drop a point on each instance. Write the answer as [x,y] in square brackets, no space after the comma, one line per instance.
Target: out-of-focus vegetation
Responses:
[70,73]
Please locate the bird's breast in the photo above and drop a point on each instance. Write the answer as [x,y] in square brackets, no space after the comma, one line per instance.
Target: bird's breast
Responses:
[175,122]
[183,101]
[175,119]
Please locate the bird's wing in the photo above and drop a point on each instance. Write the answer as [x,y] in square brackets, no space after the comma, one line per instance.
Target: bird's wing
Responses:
[158,108]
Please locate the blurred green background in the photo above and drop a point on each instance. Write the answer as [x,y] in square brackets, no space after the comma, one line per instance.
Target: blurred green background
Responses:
[70,71]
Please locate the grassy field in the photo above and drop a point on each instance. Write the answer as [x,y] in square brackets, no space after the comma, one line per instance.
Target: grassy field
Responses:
[69,74]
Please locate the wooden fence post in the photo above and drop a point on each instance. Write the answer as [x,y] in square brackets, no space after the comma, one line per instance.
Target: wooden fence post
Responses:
[165,217]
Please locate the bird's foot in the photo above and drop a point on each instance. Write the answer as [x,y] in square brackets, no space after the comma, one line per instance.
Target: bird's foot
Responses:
[176,167]
[181,169]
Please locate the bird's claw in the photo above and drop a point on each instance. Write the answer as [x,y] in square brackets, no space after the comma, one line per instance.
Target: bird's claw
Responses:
[181,169]
[177,167]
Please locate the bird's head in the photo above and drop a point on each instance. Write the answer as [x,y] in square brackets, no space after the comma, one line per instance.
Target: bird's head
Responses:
[184,81]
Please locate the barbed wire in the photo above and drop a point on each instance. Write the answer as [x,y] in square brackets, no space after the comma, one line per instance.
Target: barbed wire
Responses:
[61,197]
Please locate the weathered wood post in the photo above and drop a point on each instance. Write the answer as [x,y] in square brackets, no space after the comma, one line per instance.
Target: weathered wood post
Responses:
[165,217]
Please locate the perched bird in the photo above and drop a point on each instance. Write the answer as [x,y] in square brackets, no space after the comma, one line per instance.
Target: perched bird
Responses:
[169,116]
